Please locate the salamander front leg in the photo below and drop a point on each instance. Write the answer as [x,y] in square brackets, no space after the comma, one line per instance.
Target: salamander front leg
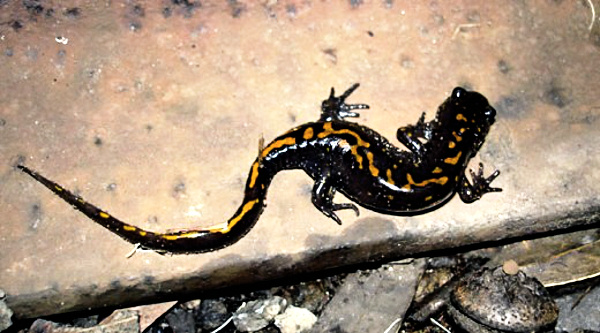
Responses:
[408,135]
[322,198]
[469,193]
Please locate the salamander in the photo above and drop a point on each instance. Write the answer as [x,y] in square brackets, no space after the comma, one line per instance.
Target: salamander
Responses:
[343,156]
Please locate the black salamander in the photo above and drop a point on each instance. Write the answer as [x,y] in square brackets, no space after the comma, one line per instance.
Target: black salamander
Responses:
[346,157]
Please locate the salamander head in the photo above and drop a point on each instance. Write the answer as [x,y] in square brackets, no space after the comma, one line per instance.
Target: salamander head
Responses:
[468,113]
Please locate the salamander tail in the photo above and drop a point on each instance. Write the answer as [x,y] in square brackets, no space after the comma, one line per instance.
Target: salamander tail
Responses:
[178,241]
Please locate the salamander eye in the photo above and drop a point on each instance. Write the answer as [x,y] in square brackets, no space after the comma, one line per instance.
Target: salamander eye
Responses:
[490,112]
[458,92]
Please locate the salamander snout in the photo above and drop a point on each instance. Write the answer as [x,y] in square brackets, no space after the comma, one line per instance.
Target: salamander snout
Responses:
[490,114]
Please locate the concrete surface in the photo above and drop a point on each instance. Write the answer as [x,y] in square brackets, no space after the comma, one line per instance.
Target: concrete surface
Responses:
[153,111]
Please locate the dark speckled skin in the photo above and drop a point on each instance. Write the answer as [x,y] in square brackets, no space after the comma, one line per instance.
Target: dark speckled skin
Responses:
[347,157]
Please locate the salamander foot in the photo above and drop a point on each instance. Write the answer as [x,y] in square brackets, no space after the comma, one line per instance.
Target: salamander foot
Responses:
[469,193]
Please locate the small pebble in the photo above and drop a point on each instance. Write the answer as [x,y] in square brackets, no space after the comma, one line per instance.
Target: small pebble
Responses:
[192,305]
[181,321]
[295,320]
[212,314]
[258,314]
[5,315]
[510,267]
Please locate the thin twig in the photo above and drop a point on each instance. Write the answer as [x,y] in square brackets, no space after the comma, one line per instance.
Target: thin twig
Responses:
[436,323]
[578,300]
[593,15]
[394,323]
[223,325]
[136,247]
[228,320]
[463,27]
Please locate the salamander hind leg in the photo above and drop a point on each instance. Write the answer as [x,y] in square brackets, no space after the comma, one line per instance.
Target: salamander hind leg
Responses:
[335,108]
[481,185]
[322,198]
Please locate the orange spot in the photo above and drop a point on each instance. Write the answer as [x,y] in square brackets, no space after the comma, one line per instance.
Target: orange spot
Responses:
[460,117]
[388,173]
[437,170]
[184,234]
[411,182]
[328,130]
[453,160]
[245,209]
[359,159]
[253,174]
[451,144]
[308,133]
[457,137]
[287,141]
[374,171]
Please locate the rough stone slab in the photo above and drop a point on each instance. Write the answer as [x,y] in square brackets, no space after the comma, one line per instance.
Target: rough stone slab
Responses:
[154,112]
[584,316]
[371,302]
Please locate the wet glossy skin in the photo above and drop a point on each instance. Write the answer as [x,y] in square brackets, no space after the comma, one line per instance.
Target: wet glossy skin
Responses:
[347,157]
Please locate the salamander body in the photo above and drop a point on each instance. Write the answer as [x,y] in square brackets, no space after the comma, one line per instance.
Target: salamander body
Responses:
[347,157]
